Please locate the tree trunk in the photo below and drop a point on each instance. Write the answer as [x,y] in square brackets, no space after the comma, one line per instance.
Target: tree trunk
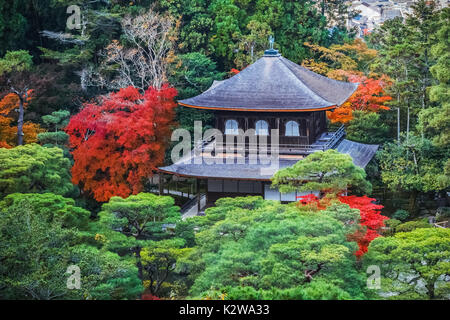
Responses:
[407,127]
[430,288]
[422,133]
[84,79]
[407,134]
[137,251]
[20,121]
[398,125]
[412,209]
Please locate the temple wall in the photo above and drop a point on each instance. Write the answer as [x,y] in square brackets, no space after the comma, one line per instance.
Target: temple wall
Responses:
[311,124]
[219,188]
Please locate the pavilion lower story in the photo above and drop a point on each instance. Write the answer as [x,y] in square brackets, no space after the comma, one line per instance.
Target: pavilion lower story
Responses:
[220,188]
[215,189]
[242,177]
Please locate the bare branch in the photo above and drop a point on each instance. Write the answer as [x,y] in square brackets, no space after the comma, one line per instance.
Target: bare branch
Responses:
[62,37]
[142,60]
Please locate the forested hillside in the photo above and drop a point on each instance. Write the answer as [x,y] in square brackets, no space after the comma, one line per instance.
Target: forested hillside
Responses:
[88,103]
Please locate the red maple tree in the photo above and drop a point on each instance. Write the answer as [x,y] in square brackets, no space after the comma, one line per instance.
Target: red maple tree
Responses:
[313,202]
[371,219]
[149,296]
[370,222]
[119,142]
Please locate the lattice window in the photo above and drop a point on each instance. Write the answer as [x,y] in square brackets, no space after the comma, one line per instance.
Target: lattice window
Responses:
[262,128]
[292,129]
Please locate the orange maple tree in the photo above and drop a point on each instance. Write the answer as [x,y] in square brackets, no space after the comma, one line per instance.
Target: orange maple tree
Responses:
[118,142]
[370,96]
[8,131]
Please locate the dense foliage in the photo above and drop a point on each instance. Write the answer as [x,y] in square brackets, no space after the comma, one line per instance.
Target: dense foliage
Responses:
[86,115]
[326,171]
[120,141]
[415,264]
[32,168]
[41,236]
[249,248]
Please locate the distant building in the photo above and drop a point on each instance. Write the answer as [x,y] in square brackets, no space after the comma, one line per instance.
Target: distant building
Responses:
[368,18]
[374,13]
[390,13]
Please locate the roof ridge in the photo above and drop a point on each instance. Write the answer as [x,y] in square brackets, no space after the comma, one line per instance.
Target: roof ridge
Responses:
[321,77]
[282,59]
[237,75]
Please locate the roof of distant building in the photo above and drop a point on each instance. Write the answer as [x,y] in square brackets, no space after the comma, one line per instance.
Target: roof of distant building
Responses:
[391,13]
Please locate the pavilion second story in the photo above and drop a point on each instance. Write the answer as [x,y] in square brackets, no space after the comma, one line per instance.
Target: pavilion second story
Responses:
[298,132]
[275,93]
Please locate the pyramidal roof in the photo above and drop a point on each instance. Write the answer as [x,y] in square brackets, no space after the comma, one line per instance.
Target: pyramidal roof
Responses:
[273,83]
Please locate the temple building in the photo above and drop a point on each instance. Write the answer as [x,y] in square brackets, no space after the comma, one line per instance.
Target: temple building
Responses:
[272,93]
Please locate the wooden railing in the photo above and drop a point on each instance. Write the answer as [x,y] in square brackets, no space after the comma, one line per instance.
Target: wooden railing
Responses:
[334,138]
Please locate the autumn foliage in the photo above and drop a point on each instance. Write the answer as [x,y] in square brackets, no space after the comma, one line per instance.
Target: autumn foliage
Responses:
[149,296]
[369,97]
[119,142]
[8,128]
[371,219]
[370,222]
[313,202]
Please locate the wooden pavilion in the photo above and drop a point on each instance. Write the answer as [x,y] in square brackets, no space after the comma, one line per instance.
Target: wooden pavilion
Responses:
[272,93]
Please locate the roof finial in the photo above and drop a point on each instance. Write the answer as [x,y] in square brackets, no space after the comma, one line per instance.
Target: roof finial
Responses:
[271,41]
[271,52]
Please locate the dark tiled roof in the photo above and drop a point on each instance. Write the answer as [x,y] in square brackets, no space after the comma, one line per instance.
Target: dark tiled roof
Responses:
[274,83]
[361,154]
[225,170]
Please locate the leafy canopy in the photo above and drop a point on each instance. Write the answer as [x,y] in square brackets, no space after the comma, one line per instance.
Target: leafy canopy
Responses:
[249,247]
[140,216]
[413,264]
[137,227]
[41,235]
[16,61]
[326,171]
[414,165]
[32,168]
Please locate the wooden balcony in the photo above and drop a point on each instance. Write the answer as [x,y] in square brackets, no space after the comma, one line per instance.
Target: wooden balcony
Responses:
[325,141]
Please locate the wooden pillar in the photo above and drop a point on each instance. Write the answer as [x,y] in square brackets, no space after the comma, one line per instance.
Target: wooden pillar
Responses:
[313,127]
[308,131]
[189,189]
[263,188]
[160,183]
[168,186]
[197,184]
